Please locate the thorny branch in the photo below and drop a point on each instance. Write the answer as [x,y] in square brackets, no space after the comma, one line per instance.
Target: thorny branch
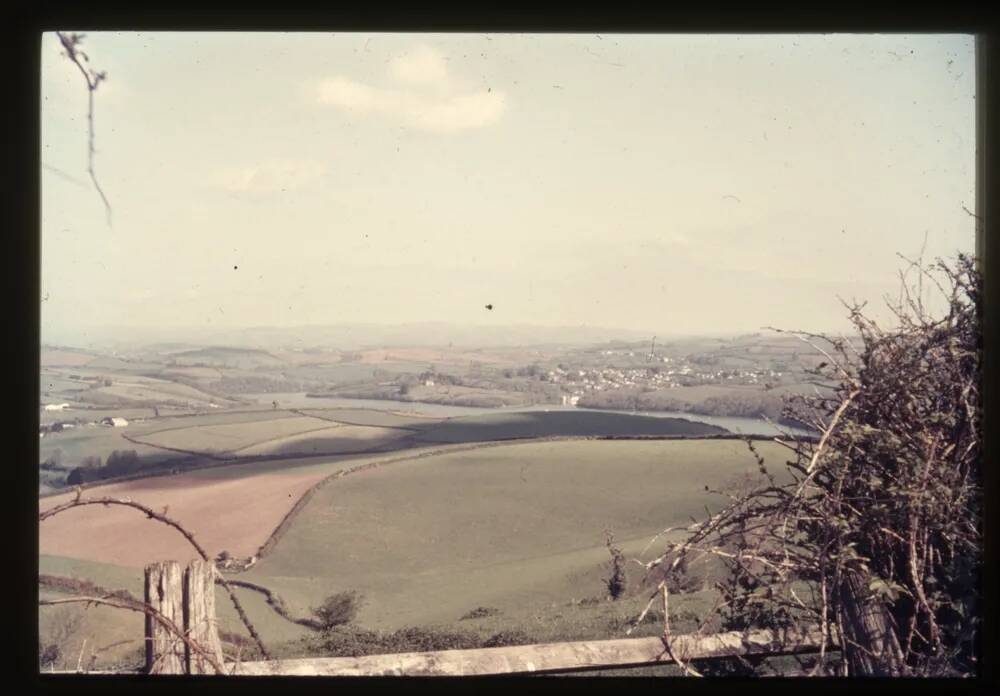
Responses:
[143,608]
[688,669]
[71,49]
[160,517]
[895,505]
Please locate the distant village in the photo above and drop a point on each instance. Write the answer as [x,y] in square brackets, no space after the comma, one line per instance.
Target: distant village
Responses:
[580,381]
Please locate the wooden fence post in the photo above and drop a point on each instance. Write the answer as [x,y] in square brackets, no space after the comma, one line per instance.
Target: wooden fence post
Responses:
[200,621]
[164,593]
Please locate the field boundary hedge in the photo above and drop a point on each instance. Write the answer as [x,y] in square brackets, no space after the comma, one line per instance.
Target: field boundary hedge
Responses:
[277,602]
[80,586]
[360,425]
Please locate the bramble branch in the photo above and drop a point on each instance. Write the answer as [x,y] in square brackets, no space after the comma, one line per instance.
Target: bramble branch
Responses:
[160,517]
[71,46]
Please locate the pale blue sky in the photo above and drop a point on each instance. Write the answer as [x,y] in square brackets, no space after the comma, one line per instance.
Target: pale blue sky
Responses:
[676,184]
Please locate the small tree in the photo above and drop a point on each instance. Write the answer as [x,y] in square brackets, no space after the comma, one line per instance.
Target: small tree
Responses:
[616,582]
[338,609]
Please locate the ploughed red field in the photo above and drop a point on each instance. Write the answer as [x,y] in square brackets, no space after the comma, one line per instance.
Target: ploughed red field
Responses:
[224,508]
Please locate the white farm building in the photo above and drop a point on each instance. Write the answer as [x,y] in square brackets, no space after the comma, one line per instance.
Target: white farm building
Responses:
[114,422]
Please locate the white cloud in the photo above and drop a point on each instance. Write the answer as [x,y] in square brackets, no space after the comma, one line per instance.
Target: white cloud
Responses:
[429,100]
[271,176]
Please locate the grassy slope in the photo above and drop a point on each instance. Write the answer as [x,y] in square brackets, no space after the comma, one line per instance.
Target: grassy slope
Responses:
[516,527]
[94,440]
[233,436]
[107,625]
[337,439]
[430,539]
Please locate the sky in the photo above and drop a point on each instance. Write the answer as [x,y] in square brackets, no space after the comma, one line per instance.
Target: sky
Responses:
[681,184]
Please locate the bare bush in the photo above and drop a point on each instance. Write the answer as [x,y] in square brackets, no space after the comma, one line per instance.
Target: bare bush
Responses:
[877,536]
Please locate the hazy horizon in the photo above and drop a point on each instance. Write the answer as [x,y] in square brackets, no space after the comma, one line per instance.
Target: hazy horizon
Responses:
[652,184]
[354,334]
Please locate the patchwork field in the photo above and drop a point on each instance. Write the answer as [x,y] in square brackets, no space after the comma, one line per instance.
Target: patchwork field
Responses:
[52,382]
[148,390]
[208,438]
[93,440]
[426,538]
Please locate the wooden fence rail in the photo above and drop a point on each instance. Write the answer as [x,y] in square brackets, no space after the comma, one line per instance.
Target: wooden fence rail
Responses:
[187,599]
[549,658]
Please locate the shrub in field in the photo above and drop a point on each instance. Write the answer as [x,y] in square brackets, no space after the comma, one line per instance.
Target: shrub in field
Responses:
[616,582]
[338,609]
[480,613]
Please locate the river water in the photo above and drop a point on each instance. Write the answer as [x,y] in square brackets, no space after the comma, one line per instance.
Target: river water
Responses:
[743,426]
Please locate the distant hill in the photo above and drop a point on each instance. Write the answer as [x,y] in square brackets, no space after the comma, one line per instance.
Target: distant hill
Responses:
[225,356]
[354,336]
[53,356]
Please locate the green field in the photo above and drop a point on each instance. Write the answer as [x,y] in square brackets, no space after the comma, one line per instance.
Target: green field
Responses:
[229,437]
[334,439]
[104,626]
[91,440]
[429,539]
[202,432]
